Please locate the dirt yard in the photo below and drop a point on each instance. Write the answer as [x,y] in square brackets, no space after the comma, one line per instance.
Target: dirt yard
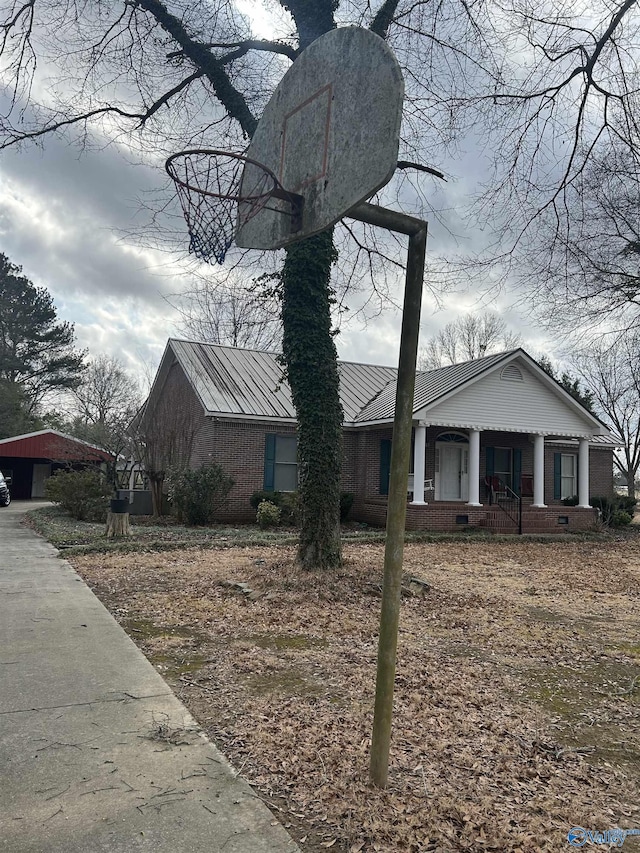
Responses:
[517,694]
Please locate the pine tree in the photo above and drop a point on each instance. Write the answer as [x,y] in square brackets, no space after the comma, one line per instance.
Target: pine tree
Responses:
[37,352]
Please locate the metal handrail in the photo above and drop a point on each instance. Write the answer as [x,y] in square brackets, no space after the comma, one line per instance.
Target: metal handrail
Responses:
[510,502]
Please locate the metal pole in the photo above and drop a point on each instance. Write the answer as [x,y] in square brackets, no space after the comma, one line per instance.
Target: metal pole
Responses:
[397,503]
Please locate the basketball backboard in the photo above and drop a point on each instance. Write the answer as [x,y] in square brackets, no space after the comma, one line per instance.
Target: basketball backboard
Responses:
[330,133]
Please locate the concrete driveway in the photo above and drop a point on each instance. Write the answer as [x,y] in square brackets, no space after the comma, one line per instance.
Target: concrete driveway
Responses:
[97,753]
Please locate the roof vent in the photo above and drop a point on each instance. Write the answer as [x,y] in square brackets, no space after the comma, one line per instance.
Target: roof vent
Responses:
[512,372]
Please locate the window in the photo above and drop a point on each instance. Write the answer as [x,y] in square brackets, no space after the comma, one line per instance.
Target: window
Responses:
[132,478]
[140,481]
[502,465]
[281,463]
[567,476]
[505,463]
[453,437]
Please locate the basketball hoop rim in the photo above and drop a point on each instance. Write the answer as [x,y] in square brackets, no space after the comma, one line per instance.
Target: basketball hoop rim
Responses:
[214,152]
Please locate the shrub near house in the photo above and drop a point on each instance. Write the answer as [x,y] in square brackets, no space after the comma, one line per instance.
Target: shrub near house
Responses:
[196,496]
[83,494]
[616,511]
[289,504]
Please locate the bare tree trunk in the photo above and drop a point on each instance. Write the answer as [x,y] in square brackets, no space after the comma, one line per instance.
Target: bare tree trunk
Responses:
[155,483]
[631,482]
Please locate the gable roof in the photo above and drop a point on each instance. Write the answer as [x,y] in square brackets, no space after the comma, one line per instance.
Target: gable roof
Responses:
[249,384]
[431,385]
[554,410]
[52,444]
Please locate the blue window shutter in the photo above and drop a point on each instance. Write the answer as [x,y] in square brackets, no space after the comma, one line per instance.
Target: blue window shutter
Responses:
[557,476]
[269,461]
[517,471]
[385,465]
[489,461]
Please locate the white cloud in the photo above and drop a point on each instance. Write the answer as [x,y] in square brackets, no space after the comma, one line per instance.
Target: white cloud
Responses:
[62,218]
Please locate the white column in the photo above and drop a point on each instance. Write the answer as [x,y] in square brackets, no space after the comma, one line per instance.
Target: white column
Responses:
[419,445]
[583,474]
[474,468]
[538,471]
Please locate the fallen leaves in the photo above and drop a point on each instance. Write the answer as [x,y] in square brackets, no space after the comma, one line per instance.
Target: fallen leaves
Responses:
[514,667]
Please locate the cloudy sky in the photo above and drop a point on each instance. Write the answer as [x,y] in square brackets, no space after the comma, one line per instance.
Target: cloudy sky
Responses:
[65,217]
[63,214]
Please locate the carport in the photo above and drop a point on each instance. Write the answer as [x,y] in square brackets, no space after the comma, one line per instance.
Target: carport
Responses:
[29,460]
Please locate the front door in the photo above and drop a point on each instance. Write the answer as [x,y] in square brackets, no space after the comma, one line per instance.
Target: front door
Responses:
[454,479]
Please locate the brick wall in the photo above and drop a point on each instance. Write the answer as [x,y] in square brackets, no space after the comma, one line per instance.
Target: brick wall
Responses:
[600,471]
[238,446]
[173,416]
[446,517]
[563,519]
[367,472]
[350,468]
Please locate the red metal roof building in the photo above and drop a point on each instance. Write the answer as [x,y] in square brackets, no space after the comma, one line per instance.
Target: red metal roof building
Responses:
[28,460]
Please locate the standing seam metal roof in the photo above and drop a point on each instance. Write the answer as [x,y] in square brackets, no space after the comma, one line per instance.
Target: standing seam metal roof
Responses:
[249,383]
[234,381]
[430,386]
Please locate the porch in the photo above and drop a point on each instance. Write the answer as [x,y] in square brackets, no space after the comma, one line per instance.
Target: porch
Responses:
[452,516]
[473,465]
[498,480]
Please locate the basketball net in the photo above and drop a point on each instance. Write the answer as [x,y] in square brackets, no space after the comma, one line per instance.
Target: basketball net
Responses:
[217,193]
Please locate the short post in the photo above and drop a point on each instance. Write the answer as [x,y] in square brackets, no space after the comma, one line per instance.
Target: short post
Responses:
[397,502]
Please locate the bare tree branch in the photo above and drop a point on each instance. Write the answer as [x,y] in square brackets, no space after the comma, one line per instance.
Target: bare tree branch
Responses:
[241,48]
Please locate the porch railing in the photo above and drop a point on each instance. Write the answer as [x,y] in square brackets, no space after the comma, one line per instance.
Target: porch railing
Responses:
[502,495]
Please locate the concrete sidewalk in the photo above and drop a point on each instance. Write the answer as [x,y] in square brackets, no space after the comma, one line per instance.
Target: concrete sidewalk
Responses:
[96,752]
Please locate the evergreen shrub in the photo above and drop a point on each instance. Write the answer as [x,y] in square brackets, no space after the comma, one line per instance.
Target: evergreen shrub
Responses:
[615,512]
[83,494]
[287,502]
[268,515]
[197,495]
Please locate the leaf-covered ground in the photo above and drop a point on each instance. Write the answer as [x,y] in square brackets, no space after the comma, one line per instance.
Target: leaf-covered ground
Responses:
[517,691]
